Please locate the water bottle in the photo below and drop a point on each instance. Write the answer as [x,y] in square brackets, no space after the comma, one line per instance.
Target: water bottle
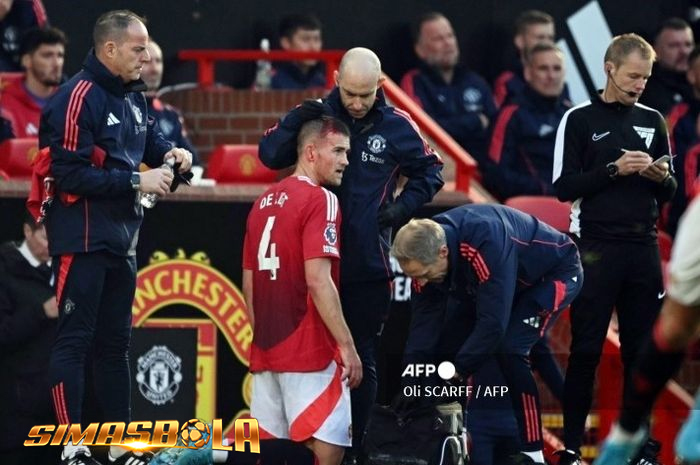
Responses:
[149,200]
[263,74]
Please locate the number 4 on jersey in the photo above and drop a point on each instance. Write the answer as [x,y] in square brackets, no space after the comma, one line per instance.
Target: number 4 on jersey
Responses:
[269,262]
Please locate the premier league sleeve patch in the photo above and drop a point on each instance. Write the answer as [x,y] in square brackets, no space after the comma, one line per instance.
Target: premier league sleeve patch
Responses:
[331,236]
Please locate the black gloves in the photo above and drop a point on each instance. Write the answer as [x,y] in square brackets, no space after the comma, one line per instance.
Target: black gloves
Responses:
[313,109]
[179,178]
[392,215]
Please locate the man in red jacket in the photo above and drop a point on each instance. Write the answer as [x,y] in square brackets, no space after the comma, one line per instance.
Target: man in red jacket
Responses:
[42,52]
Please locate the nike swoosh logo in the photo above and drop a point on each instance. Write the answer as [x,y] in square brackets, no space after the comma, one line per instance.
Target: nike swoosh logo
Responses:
[661,295]
[597,137]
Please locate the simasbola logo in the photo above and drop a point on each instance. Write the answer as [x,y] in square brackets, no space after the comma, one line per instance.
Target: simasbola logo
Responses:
[193,281]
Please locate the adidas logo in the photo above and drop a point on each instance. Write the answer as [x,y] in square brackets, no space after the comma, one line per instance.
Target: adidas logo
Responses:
[534,321]
[112,120]
[647,134]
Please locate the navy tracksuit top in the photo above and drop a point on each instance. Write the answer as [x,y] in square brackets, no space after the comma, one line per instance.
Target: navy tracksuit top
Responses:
[95,109]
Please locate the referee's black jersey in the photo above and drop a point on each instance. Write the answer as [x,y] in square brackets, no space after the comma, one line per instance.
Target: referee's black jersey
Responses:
[590,136]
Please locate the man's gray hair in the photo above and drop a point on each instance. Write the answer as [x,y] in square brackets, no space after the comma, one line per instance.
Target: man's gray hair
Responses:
[419,240]
[112,26]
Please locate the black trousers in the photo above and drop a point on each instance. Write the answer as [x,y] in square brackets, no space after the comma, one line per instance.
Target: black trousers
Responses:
[365,307]
[95,293]
[617,275]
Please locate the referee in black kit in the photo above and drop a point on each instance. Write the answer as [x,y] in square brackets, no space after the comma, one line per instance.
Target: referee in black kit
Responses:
[604,162]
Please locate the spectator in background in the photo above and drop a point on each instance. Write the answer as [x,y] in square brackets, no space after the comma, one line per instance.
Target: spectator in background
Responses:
[384,144]
[299,33]
[16,16]
[684,128]
[28,319]
[668,84]
[457,99]
[169,118]
[522,142]
[42,53]
[531,27]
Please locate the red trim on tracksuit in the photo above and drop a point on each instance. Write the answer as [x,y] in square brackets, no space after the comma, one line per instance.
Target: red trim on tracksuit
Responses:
[311,419]
[677,112]
[63,268]
[499,133]
[408,87]
[500,87]
[559,295]
[265,434]
[59,404]
[40,13]
[474,257]
[532,418]
[77,97]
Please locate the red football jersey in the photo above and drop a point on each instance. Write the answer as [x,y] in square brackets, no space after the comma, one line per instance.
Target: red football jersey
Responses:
[293,221]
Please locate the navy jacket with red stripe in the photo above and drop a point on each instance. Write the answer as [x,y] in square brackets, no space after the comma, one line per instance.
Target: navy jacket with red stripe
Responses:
[522,145]
[495,252]
[384,144]
[96,109]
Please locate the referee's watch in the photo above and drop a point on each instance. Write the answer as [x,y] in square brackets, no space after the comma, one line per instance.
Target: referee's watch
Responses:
[613,170]
[135,181]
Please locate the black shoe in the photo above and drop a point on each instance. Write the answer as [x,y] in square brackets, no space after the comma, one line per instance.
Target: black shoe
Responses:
[132,457]
[522,459]
[649,455]
[568,457]
[82,457]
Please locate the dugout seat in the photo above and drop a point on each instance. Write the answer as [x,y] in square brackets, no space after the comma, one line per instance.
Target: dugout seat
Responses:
[16,156]
[547,209]
[233,163]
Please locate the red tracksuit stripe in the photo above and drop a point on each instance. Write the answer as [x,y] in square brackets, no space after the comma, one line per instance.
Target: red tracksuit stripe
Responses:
[408,87]
[59,402]
[74,106]
[64,267]
[40,13]
[500,89]
[499,133]
[475,258]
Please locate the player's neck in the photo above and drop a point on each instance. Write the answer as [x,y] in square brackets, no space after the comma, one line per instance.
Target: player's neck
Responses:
[306,172]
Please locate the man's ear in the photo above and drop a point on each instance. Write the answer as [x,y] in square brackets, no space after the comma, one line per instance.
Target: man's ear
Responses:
[25,60]
[381,81]
[443,251]
[335,77]
[285,43]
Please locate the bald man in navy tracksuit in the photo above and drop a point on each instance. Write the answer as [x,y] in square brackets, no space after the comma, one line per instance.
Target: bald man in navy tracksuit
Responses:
[520,274]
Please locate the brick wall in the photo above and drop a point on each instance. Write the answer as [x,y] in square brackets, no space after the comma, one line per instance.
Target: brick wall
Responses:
[228,116]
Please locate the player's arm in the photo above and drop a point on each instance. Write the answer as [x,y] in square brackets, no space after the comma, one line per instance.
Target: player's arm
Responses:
[317,272]
[248,294]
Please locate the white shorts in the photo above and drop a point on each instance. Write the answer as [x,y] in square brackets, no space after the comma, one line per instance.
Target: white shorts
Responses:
[299,406]
[684,269]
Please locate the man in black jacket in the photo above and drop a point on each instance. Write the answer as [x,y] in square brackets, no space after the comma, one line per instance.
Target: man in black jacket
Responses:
[604,161]
[28,316]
